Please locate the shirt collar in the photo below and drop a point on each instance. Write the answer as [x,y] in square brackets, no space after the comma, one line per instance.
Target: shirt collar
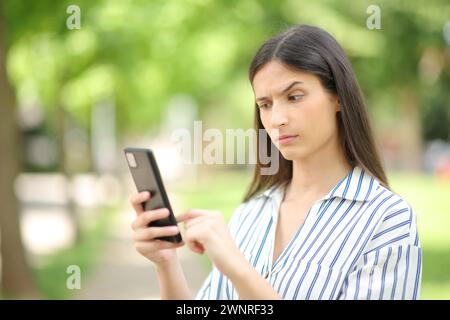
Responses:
[357,185]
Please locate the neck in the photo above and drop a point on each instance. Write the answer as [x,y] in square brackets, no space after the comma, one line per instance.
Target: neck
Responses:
[315,175]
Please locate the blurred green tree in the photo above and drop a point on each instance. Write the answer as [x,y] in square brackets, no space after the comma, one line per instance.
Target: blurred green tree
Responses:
[16,279]
[139,54]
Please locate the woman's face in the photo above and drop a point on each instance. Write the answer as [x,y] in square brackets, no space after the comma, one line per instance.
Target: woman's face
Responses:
[295,103]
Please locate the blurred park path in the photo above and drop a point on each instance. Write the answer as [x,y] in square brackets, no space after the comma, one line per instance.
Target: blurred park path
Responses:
[122,273]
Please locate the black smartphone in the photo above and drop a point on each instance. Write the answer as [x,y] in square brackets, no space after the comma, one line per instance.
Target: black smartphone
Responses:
[146,176]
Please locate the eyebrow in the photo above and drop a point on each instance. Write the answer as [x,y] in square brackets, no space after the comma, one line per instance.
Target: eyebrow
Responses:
[284,90]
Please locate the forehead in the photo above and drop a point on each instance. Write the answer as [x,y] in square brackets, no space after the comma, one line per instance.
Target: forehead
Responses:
[274,76]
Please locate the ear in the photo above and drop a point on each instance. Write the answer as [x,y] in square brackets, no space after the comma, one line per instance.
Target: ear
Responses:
[338,104]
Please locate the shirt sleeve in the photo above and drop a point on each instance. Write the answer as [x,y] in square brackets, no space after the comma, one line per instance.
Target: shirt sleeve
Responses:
[391,273]
[204,292]
[391,267]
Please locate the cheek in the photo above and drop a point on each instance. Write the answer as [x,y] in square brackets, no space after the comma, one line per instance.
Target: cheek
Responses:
[319,121]
[265,120]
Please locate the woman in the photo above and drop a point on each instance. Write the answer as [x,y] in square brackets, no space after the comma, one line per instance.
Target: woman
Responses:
[325,225]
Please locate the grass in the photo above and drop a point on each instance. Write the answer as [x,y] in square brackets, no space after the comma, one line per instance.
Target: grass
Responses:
[50,273]
[429,198]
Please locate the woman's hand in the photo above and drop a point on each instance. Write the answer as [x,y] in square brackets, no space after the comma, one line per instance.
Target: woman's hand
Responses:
[208,231]
[158,251]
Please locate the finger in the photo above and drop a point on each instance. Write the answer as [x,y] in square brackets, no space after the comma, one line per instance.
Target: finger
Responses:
[213,217]
[195,246]
[199,220]
[191,214]
[155,232]
[137,200]
[146,217]
[193,241]
[156,245]
[198,247]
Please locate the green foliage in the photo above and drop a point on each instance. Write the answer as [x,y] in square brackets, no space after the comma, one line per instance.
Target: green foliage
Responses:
[141,53]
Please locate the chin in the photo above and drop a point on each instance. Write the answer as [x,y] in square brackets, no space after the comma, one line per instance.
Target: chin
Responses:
[290,154]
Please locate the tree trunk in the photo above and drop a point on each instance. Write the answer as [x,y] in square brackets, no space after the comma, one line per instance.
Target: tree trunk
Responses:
[16,280]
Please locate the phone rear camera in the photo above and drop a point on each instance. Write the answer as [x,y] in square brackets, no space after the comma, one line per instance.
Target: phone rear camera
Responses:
[131,160]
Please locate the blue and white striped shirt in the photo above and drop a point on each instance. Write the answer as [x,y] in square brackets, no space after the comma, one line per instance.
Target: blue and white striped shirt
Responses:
[360,241]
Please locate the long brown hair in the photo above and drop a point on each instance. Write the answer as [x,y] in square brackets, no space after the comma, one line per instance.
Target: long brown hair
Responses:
[311,49]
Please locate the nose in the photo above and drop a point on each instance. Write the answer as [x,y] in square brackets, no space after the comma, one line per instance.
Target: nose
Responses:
[278,117]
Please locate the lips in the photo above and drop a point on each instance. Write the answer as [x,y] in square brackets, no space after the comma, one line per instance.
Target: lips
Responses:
[284,136]
[284,139]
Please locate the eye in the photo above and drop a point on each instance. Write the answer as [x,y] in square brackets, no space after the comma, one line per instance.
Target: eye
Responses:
[263,106]
[296,97]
